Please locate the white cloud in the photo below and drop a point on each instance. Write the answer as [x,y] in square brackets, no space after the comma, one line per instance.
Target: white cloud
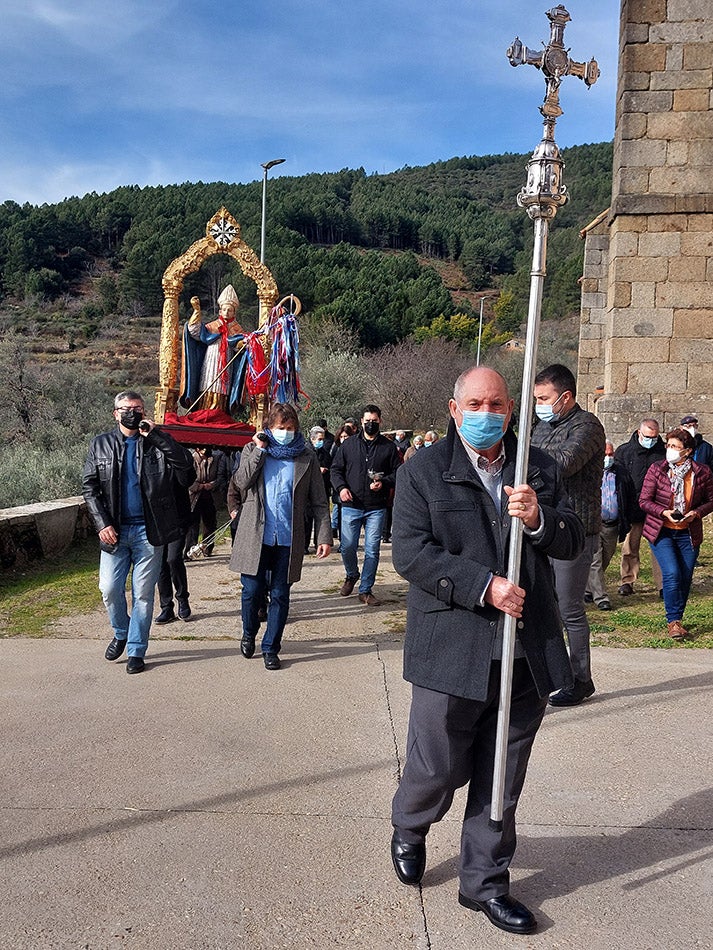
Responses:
[105,92]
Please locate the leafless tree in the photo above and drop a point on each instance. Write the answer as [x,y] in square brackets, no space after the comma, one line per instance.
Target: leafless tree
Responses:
[412,382]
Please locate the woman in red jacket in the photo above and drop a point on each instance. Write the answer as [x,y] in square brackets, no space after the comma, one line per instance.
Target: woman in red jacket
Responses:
[677,493]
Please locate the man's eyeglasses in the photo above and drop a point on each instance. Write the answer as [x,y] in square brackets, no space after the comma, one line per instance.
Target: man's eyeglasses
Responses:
[128,408]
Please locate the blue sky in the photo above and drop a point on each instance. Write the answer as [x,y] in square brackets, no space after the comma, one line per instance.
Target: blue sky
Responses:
[99,94]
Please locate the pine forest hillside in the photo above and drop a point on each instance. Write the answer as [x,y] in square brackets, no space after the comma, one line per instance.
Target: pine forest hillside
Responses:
[353,247]
[391,270]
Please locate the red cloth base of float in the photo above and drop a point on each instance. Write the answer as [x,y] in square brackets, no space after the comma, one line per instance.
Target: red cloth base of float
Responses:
[208,427]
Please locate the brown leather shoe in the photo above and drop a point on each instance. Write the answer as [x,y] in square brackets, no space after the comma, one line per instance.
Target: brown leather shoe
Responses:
[348,585]
[369,600]
[676,630]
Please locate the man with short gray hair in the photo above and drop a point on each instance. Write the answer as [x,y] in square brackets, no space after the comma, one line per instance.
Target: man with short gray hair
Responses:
[453,513]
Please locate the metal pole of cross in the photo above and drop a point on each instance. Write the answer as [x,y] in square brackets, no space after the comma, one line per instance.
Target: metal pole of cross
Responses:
[543,194]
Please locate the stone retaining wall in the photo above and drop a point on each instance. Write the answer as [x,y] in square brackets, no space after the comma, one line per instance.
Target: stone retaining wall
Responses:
[31,532]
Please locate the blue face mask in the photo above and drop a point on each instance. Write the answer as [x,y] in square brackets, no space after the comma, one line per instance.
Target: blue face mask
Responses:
[282,436]
[546,413]
[608,461]
[318,444]
[647,441]
[482,430]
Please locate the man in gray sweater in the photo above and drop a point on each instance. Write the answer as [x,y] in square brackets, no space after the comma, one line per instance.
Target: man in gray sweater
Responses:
[575,439]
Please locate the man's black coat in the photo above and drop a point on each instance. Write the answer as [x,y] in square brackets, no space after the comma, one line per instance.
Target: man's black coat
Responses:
[637,460]
[447,540]
[353,461]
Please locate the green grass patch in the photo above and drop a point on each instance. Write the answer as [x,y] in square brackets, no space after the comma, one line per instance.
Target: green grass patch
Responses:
[33,598]
[640,620]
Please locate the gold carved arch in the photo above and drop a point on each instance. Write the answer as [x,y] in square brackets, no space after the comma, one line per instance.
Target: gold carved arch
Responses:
[222,236]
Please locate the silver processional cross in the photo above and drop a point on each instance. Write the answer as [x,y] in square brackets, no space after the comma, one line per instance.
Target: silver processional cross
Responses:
[543,194]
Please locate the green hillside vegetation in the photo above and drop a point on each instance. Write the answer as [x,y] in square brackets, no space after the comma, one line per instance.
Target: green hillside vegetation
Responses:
[398,261]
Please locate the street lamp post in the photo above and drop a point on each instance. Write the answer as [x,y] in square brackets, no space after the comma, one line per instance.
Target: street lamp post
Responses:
[265,167]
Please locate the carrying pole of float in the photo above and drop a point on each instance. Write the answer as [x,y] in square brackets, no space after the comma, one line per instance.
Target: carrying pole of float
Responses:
[543,194]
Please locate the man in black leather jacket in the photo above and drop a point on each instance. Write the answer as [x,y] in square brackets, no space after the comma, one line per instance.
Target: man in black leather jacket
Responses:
[128,487]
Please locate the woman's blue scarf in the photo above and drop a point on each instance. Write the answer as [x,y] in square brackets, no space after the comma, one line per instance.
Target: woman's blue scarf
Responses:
[291,451]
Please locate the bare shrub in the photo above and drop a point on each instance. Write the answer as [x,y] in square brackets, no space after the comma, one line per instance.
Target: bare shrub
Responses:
[412,382]
[335,383]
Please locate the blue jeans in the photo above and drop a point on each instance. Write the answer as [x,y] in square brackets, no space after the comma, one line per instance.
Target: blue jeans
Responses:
[373,522]
[272,573]
[132,551]
[676,557]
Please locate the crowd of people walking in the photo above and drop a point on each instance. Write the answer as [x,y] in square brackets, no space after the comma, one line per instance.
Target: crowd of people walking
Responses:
[144,490]
[451,502]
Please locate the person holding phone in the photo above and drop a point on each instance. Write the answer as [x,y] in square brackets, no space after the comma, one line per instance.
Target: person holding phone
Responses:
[128,485]
[278,477]
[676,495]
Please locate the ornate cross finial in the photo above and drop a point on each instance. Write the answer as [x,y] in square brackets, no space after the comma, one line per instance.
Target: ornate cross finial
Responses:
[554,61]
[223,228]
[545,191]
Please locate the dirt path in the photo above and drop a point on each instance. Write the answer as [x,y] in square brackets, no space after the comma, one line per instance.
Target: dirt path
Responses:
[317,611]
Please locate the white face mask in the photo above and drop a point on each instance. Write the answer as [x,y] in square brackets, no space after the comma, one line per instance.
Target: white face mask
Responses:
[673,455]
[283,436]
[692,429]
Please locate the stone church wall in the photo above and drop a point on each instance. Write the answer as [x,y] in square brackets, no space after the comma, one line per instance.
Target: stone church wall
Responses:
[648,338]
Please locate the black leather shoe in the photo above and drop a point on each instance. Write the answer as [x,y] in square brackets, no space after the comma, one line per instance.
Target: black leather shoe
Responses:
[135,664]
[115,649]
[626,590]
[247,647]
[166,616]
[505,912]
[574,695]
[272,661]
[409,859]
[184,610]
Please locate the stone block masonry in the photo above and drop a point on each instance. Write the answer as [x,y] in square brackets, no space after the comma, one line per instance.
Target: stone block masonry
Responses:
[647,345]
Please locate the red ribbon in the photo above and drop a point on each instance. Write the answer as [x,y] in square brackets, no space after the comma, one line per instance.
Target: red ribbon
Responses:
[223,349]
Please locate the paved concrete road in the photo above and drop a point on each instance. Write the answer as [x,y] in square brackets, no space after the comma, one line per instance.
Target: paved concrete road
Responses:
[208,804]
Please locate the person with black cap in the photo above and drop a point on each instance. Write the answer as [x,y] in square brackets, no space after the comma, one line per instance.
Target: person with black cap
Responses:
[703,452]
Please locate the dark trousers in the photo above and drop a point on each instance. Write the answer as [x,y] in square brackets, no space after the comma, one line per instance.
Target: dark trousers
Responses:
[388,520]
[203,510]
[271,577]
[451,742]
[173,574]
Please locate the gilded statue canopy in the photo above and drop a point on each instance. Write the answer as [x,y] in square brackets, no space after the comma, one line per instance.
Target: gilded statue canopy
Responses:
[222,236]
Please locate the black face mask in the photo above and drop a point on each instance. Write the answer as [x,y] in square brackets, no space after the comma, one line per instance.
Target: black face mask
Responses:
[371,427]
[130,418]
